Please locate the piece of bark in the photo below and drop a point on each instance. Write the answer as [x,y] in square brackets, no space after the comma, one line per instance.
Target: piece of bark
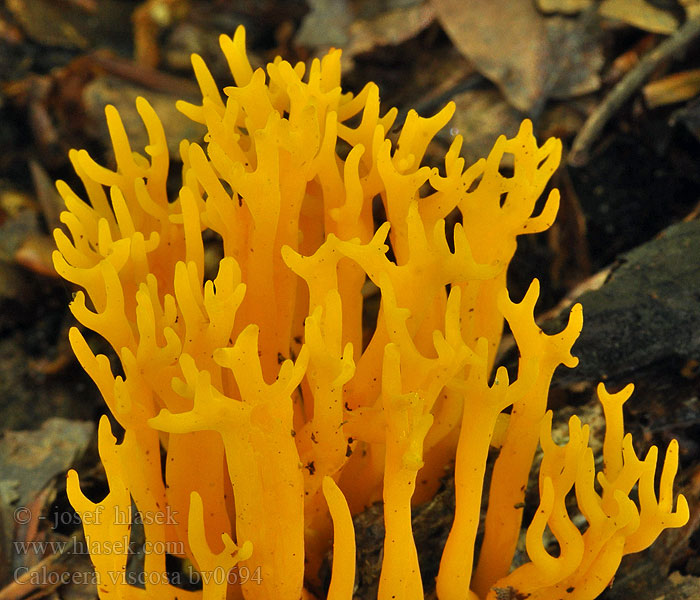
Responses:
[646,313]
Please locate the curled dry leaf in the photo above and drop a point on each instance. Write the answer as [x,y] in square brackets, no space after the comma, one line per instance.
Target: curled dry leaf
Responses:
[678,87]
[640,13]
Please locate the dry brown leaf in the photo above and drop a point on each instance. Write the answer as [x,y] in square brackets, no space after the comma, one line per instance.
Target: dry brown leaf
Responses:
[565,7]
[678,87]
[389,28]
[530,57]
[29,461]
[507,41]
[33,458]
[639,13]
[49,22]
[577,54]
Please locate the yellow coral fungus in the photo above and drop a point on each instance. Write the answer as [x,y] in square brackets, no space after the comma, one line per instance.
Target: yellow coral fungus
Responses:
[251,409]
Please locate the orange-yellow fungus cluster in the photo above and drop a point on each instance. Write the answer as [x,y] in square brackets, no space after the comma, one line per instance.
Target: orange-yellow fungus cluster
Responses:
[251,409]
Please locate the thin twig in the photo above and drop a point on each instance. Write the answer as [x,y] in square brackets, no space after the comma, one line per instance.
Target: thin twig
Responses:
[628,85]
[46,575]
